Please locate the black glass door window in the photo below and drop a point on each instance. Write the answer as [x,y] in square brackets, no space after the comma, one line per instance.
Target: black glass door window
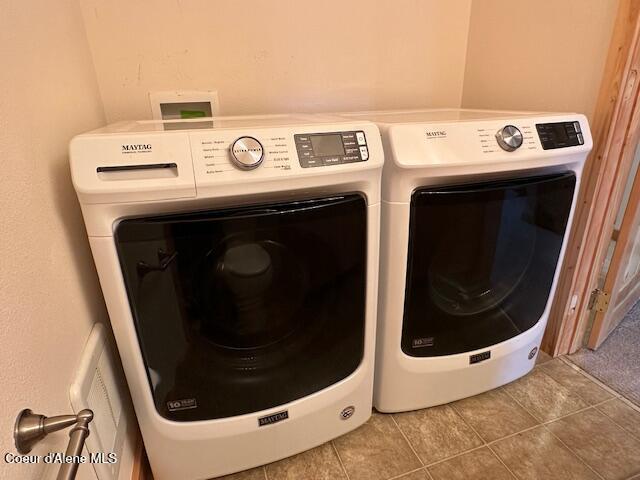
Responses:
[243,309]
[481,261]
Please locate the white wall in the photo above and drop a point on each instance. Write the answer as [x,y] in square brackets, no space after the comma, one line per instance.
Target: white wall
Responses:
[537,55]
[49,294]
[266,56]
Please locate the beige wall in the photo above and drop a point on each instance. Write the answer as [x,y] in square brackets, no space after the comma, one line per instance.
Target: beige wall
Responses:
[266,56]
[537,55]
[302,55]
[49,295]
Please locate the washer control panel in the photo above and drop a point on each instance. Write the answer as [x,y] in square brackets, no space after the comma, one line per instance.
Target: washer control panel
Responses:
[559,134]
[333,148]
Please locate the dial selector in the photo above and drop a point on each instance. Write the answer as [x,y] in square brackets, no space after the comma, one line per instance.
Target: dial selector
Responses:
[509,138]
[247,153]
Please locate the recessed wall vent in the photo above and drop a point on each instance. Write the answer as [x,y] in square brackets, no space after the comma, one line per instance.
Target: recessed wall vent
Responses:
[99,385]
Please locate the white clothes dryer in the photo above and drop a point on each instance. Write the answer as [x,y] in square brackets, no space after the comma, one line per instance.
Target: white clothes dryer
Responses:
[477,206]
[238,258]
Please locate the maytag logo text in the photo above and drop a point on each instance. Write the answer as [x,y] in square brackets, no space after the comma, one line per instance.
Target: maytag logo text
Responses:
[136,148]
[436,134]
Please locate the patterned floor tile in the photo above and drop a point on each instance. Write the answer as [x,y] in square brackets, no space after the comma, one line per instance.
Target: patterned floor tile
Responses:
[543,397]
[603,445]
[494,415]
[321,463]
[479,464]
[437,433]
[419,475]
[577,383]
[536,454]
[621,413]
[376,451]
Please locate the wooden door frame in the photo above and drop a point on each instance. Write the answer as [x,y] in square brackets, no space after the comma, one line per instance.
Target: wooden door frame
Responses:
[603,183]
[621,299]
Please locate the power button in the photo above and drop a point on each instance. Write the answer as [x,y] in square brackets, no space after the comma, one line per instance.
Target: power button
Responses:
[360,138]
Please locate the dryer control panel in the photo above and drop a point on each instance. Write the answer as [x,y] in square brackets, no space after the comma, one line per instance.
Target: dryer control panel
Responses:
[333,148]
[560,134]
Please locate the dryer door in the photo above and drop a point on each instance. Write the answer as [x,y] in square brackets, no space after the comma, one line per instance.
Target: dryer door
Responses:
[244,309]
[481,263]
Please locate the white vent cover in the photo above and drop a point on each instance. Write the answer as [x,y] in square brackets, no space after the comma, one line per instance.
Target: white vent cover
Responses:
[99,385]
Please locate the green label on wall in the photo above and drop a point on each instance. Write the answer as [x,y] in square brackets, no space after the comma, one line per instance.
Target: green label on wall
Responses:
[192,114]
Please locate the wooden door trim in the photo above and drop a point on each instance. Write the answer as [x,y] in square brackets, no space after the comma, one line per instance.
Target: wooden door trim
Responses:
[601,185]
[621,299]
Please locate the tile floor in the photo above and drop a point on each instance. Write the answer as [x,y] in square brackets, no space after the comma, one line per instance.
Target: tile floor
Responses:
[555,423]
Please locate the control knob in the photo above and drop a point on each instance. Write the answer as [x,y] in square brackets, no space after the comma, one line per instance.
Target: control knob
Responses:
[247,153]
[509,138]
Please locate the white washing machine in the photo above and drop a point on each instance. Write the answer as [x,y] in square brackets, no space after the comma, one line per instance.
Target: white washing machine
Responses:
[477,206]
[238,258]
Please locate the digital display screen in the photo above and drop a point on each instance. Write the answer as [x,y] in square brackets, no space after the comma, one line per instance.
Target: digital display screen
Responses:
[327,145]
[560,133]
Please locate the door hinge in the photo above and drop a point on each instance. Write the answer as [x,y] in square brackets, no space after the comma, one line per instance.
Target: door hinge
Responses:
[599,300]
[615,234]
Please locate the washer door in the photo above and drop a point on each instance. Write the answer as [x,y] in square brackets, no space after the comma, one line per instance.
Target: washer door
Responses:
[481,262]
[244,309]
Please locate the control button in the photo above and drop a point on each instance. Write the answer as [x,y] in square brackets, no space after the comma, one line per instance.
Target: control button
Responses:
[306,154]
[331,160]
[310,162]
[509,138]
[576,126]
[349,136]
[247,153]
[580,139]
[304,146]
[302,138]
[361,139]
[364,153]
[351,158]
[349,143]
[351,151]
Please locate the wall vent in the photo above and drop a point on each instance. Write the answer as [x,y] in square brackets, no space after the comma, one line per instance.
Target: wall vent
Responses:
[99,385]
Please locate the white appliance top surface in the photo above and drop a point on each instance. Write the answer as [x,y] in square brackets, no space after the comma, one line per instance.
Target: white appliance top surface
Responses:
[146,161]
[442,115]
[438,138]
[219,123]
